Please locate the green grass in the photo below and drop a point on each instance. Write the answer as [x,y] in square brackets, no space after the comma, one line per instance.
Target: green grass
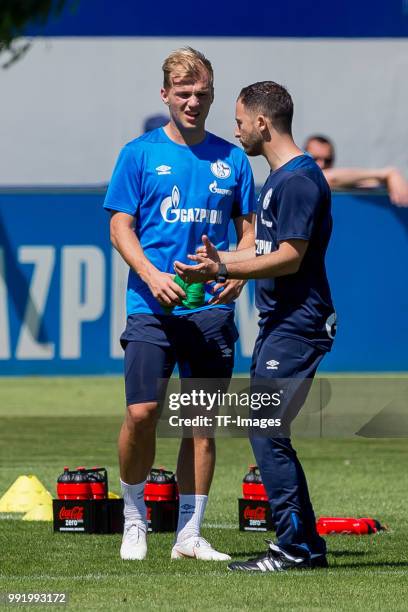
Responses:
[48,423]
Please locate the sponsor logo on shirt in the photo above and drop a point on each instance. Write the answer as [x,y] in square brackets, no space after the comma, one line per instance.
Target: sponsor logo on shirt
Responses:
[170,211]
[265,221]
[163,169]
[263,247]
[272,364]
[213,187]
[220,169]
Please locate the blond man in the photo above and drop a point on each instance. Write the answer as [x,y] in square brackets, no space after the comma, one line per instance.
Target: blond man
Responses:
[169,187]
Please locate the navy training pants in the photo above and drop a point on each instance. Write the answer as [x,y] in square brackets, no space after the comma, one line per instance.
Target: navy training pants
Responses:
[292,363]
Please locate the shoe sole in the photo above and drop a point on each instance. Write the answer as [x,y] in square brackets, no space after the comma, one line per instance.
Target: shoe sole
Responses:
[132,558]
[125,557]
[176,554]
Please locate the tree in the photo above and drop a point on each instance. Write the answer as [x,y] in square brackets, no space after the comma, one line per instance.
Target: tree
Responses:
[15,15]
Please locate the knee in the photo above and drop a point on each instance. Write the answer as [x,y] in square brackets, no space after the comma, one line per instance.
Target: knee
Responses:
[270,450]
[140,417]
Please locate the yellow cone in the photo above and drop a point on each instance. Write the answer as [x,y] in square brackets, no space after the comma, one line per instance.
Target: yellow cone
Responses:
[41,512]
[113,495]
[25,493]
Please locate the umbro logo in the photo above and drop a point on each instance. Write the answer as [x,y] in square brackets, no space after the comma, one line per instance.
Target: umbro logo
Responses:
[163,169]
[187,508]
[272,364]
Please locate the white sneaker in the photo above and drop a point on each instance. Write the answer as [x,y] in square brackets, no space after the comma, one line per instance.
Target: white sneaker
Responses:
[134,545]
[197,547]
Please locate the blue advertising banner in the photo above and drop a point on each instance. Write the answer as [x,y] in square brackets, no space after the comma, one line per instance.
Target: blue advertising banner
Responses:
[62,286]
[366,18]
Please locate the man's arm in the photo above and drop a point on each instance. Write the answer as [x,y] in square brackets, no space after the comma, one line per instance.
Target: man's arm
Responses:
[238,255]
[284,261]
[245,230]
[391,178]
[209,250]
[125,241]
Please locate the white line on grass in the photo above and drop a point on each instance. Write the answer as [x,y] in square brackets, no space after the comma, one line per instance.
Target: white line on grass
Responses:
[13,515]
[220,526]
[363,572]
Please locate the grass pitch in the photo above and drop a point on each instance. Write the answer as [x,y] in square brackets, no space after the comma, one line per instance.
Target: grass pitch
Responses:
[48,423]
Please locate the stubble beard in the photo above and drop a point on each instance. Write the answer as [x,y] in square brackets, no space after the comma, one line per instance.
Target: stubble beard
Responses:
[253,148]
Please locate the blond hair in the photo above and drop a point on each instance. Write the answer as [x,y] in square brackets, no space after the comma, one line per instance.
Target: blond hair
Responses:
[186,62]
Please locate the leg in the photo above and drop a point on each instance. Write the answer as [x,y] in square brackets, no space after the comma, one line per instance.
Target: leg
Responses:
[299,545]
[280,468]
[209,355]
[285,483]
[195,469]
[145,363]
[137,442]
[195,465]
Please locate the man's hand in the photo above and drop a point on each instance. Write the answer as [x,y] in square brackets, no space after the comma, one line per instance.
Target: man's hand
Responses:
[227,292]
[397,188]
[208,249]
[207,259]
[205,270]
[164,289]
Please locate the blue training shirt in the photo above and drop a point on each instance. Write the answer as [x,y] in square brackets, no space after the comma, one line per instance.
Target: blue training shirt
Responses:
[177,193]
[295,203]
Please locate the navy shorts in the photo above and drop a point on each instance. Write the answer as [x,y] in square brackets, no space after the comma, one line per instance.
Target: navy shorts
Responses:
[201,343]
[289,365]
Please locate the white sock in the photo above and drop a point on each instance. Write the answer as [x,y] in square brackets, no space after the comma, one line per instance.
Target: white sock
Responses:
[191,514]
[134,504]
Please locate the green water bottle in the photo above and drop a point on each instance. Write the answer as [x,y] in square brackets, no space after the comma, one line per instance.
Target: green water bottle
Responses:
[194,295]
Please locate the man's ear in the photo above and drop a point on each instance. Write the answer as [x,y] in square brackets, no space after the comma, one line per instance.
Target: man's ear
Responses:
[164,95]
[262,124]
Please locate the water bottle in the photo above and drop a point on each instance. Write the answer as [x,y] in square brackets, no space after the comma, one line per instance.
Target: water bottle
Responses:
[252,487]
[327,525]
[73,484]
[98,483]
[160,485]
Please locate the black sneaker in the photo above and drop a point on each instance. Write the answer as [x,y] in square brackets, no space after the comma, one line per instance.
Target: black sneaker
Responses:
[274,560]
[319,561]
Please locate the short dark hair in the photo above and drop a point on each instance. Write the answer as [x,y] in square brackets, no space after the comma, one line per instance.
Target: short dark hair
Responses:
[321,139]
[272,100]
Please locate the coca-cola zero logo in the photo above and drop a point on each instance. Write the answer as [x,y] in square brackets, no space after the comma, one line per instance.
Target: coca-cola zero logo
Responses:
[76,513]
[255,514]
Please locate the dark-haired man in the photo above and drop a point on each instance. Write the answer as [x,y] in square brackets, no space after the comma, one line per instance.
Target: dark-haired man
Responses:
[322,150]
[297,319]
